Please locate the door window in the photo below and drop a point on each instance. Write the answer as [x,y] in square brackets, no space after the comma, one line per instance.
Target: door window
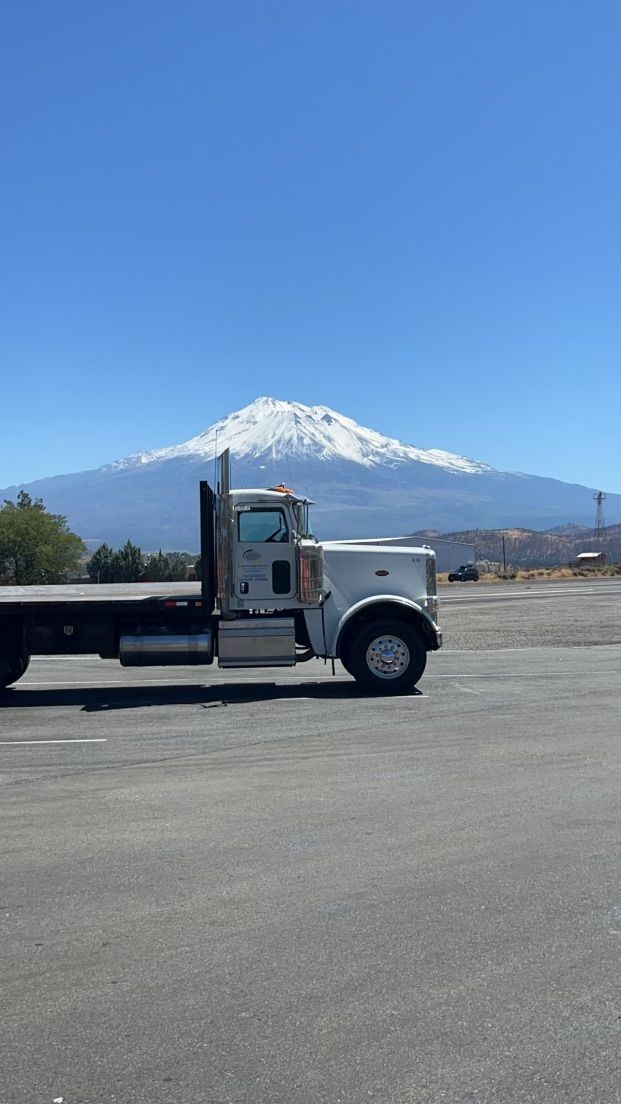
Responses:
[261,526]
[281,577]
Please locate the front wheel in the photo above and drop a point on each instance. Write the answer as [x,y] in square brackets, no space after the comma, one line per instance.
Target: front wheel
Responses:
[387,657]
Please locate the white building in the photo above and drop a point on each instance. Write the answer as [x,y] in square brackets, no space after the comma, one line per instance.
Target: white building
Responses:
[449,554]
[589,559]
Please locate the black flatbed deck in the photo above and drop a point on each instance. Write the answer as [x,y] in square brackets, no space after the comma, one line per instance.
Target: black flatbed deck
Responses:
[14,599]
[81,620]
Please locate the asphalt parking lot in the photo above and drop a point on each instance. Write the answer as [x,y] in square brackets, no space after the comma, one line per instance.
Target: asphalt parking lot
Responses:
[261,887]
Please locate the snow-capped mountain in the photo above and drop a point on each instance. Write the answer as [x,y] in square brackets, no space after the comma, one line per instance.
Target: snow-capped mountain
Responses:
[364,484]
[282,430]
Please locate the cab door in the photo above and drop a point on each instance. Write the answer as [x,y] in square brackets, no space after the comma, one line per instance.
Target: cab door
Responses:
[264,555]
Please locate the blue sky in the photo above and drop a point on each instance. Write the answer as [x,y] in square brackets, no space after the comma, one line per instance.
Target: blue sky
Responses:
[406,211]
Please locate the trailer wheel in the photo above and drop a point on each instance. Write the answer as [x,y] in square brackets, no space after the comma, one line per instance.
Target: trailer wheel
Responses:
[387,657]
[12,666]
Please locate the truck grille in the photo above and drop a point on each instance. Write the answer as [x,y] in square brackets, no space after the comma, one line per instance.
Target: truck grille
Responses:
[432,586]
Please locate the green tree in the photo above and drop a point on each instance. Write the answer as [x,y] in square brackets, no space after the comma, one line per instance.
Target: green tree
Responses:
[157,568]
[35,546]
[100,566]
[177,567]
[165,567]
[127,564]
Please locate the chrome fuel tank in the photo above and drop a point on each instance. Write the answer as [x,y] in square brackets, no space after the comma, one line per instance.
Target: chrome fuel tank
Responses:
[165,649]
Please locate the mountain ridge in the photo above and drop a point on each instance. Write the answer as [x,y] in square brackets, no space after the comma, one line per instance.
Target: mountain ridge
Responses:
[532,548]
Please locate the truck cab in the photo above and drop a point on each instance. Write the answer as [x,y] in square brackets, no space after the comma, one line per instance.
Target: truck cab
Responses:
[373,608]
[266,556]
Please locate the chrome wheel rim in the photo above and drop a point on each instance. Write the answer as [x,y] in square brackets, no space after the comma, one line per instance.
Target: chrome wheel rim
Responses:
[388,657]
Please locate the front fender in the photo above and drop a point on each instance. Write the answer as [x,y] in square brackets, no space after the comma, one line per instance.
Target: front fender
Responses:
[388,600]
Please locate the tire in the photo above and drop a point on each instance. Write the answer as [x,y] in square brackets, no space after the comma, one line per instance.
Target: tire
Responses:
[347,665]
[451,579]
[387,657]
[12,667]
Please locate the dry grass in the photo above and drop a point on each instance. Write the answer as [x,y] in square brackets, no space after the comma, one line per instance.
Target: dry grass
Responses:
[602,572]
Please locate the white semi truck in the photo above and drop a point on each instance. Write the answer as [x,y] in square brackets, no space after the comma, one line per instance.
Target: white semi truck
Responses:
[270,596]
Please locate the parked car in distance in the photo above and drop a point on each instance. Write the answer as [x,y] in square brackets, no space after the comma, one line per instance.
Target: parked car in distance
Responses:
[464,574]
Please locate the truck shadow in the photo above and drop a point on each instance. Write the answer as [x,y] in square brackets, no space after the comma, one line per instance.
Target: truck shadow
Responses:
[101,700]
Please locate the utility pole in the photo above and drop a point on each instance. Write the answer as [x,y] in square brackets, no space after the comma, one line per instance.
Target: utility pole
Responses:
[504,558]
[600,521]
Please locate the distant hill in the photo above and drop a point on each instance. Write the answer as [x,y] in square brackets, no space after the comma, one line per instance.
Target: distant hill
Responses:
[532,548]
[364,483]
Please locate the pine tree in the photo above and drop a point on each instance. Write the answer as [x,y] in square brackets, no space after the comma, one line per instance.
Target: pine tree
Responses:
[157,568]
[100,564]
[127,564]
[177,567]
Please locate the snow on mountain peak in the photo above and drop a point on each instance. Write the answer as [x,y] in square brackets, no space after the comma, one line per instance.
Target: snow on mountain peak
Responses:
[275,429]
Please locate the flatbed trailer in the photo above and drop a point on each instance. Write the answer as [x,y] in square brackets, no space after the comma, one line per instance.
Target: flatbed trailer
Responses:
[76,624]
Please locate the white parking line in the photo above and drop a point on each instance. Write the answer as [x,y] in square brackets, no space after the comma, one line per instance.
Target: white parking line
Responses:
[14,743]
[482,676]
[502,596]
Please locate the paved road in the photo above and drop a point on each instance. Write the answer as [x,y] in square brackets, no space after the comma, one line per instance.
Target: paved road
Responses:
[568,589]
[264,888]
[517,615]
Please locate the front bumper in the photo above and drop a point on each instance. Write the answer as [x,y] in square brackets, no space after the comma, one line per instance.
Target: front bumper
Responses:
[430,606]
